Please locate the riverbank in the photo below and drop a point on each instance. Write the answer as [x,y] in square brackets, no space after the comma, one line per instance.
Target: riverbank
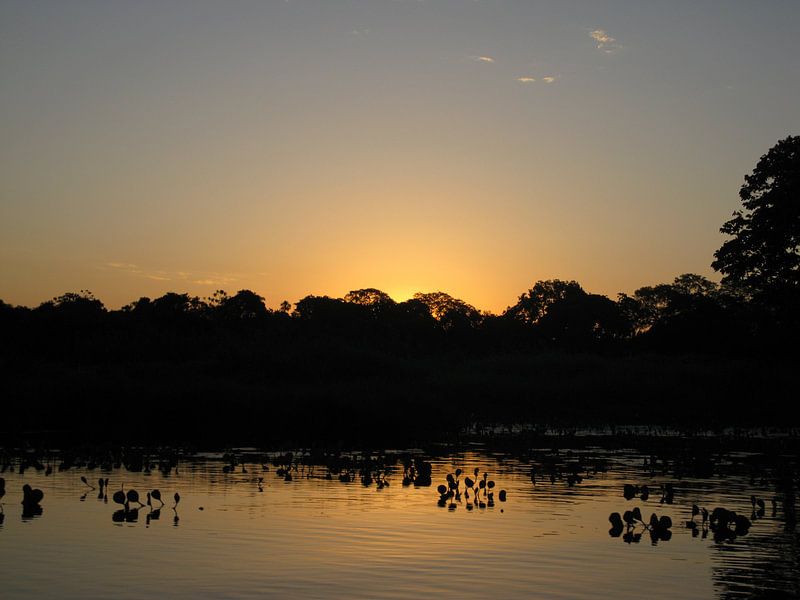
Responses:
[354,398]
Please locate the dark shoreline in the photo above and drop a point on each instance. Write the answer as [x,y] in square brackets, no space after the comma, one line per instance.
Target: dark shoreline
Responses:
[410,402]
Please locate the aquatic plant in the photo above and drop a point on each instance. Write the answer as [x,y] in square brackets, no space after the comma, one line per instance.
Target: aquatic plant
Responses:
[728,525]
[156,495]
[477,492]
[633,526]
[417,472]
[725,524]
[30,502]
[31,496]
[133,497]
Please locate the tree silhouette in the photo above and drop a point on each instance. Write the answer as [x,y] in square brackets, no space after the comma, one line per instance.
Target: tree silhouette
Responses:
[452,313]
[174,307]
[375,300]
[77,308]
[582,319]
[562,313]
[664,302]
[364,367]
[533,304]
[368,297]
[74,304]
[244,306]
[764,254]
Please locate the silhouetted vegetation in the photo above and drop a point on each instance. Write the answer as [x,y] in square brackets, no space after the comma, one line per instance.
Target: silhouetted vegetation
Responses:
[367,368]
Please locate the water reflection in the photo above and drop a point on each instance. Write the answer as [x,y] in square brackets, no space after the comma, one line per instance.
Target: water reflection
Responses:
[31,512]
[153,515]
[342,526]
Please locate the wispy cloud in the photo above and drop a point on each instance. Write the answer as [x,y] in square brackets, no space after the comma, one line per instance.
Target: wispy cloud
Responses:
[215,279]
[525,79]
[122,266]
[485,59]
[198,278]
[133,269]
[605,42]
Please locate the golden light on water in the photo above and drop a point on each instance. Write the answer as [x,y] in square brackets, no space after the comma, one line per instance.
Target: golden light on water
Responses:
[314,537]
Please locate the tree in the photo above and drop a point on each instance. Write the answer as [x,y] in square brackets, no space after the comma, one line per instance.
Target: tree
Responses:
[332,314]
[450,312]
[583,319]
[172,307]
[375,300]
[764,254]
[368,297]
[78,307]
[533,304]
[563,313]
[687,294]
[244,306]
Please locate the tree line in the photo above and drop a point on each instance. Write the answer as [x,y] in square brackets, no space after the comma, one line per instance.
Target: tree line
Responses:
[691,314]
[365,367]
[753,309]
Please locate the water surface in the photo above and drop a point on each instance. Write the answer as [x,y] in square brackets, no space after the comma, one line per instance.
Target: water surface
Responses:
[317,538]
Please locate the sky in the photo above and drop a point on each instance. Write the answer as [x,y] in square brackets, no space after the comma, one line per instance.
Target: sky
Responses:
[297,147]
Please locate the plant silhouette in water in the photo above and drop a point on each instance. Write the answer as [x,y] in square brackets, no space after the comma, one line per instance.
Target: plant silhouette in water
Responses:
[633,526]
[630,491]
[103,493]
[476,492]
[417,472]
[154,495]
[129,514]
[725,524]
[30,502]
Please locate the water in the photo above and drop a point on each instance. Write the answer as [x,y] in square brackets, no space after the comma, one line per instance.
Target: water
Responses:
[318,538]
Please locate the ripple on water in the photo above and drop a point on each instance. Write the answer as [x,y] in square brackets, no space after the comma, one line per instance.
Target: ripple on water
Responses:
[315,538]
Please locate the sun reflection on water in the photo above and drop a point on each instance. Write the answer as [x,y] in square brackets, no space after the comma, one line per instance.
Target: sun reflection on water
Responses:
[250,532]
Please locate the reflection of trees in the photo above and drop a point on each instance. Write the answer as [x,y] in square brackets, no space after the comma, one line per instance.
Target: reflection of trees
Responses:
[762,564]
[758,566]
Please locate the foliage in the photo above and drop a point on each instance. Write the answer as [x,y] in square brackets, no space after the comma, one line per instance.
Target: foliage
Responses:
[564,314]
[533,304]
[452,313]
[661,303]
[369,297]
[398,373]
[764,252]
[244,306]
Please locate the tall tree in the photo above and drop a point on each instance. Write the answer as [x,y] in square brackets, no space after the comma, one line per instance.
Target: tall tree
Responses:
[763,255]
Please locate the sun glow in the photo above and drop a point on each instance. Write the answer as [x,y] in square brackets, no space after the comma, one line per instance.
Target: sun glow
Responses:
[401,293]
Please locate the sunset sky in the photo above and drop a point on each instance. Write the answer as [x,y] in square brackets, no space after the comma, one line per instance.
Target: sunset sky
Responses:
[294,147]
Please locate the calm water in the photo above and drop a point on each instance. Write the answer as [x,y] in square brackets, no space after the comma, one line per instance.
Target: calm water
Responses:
[317,538]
